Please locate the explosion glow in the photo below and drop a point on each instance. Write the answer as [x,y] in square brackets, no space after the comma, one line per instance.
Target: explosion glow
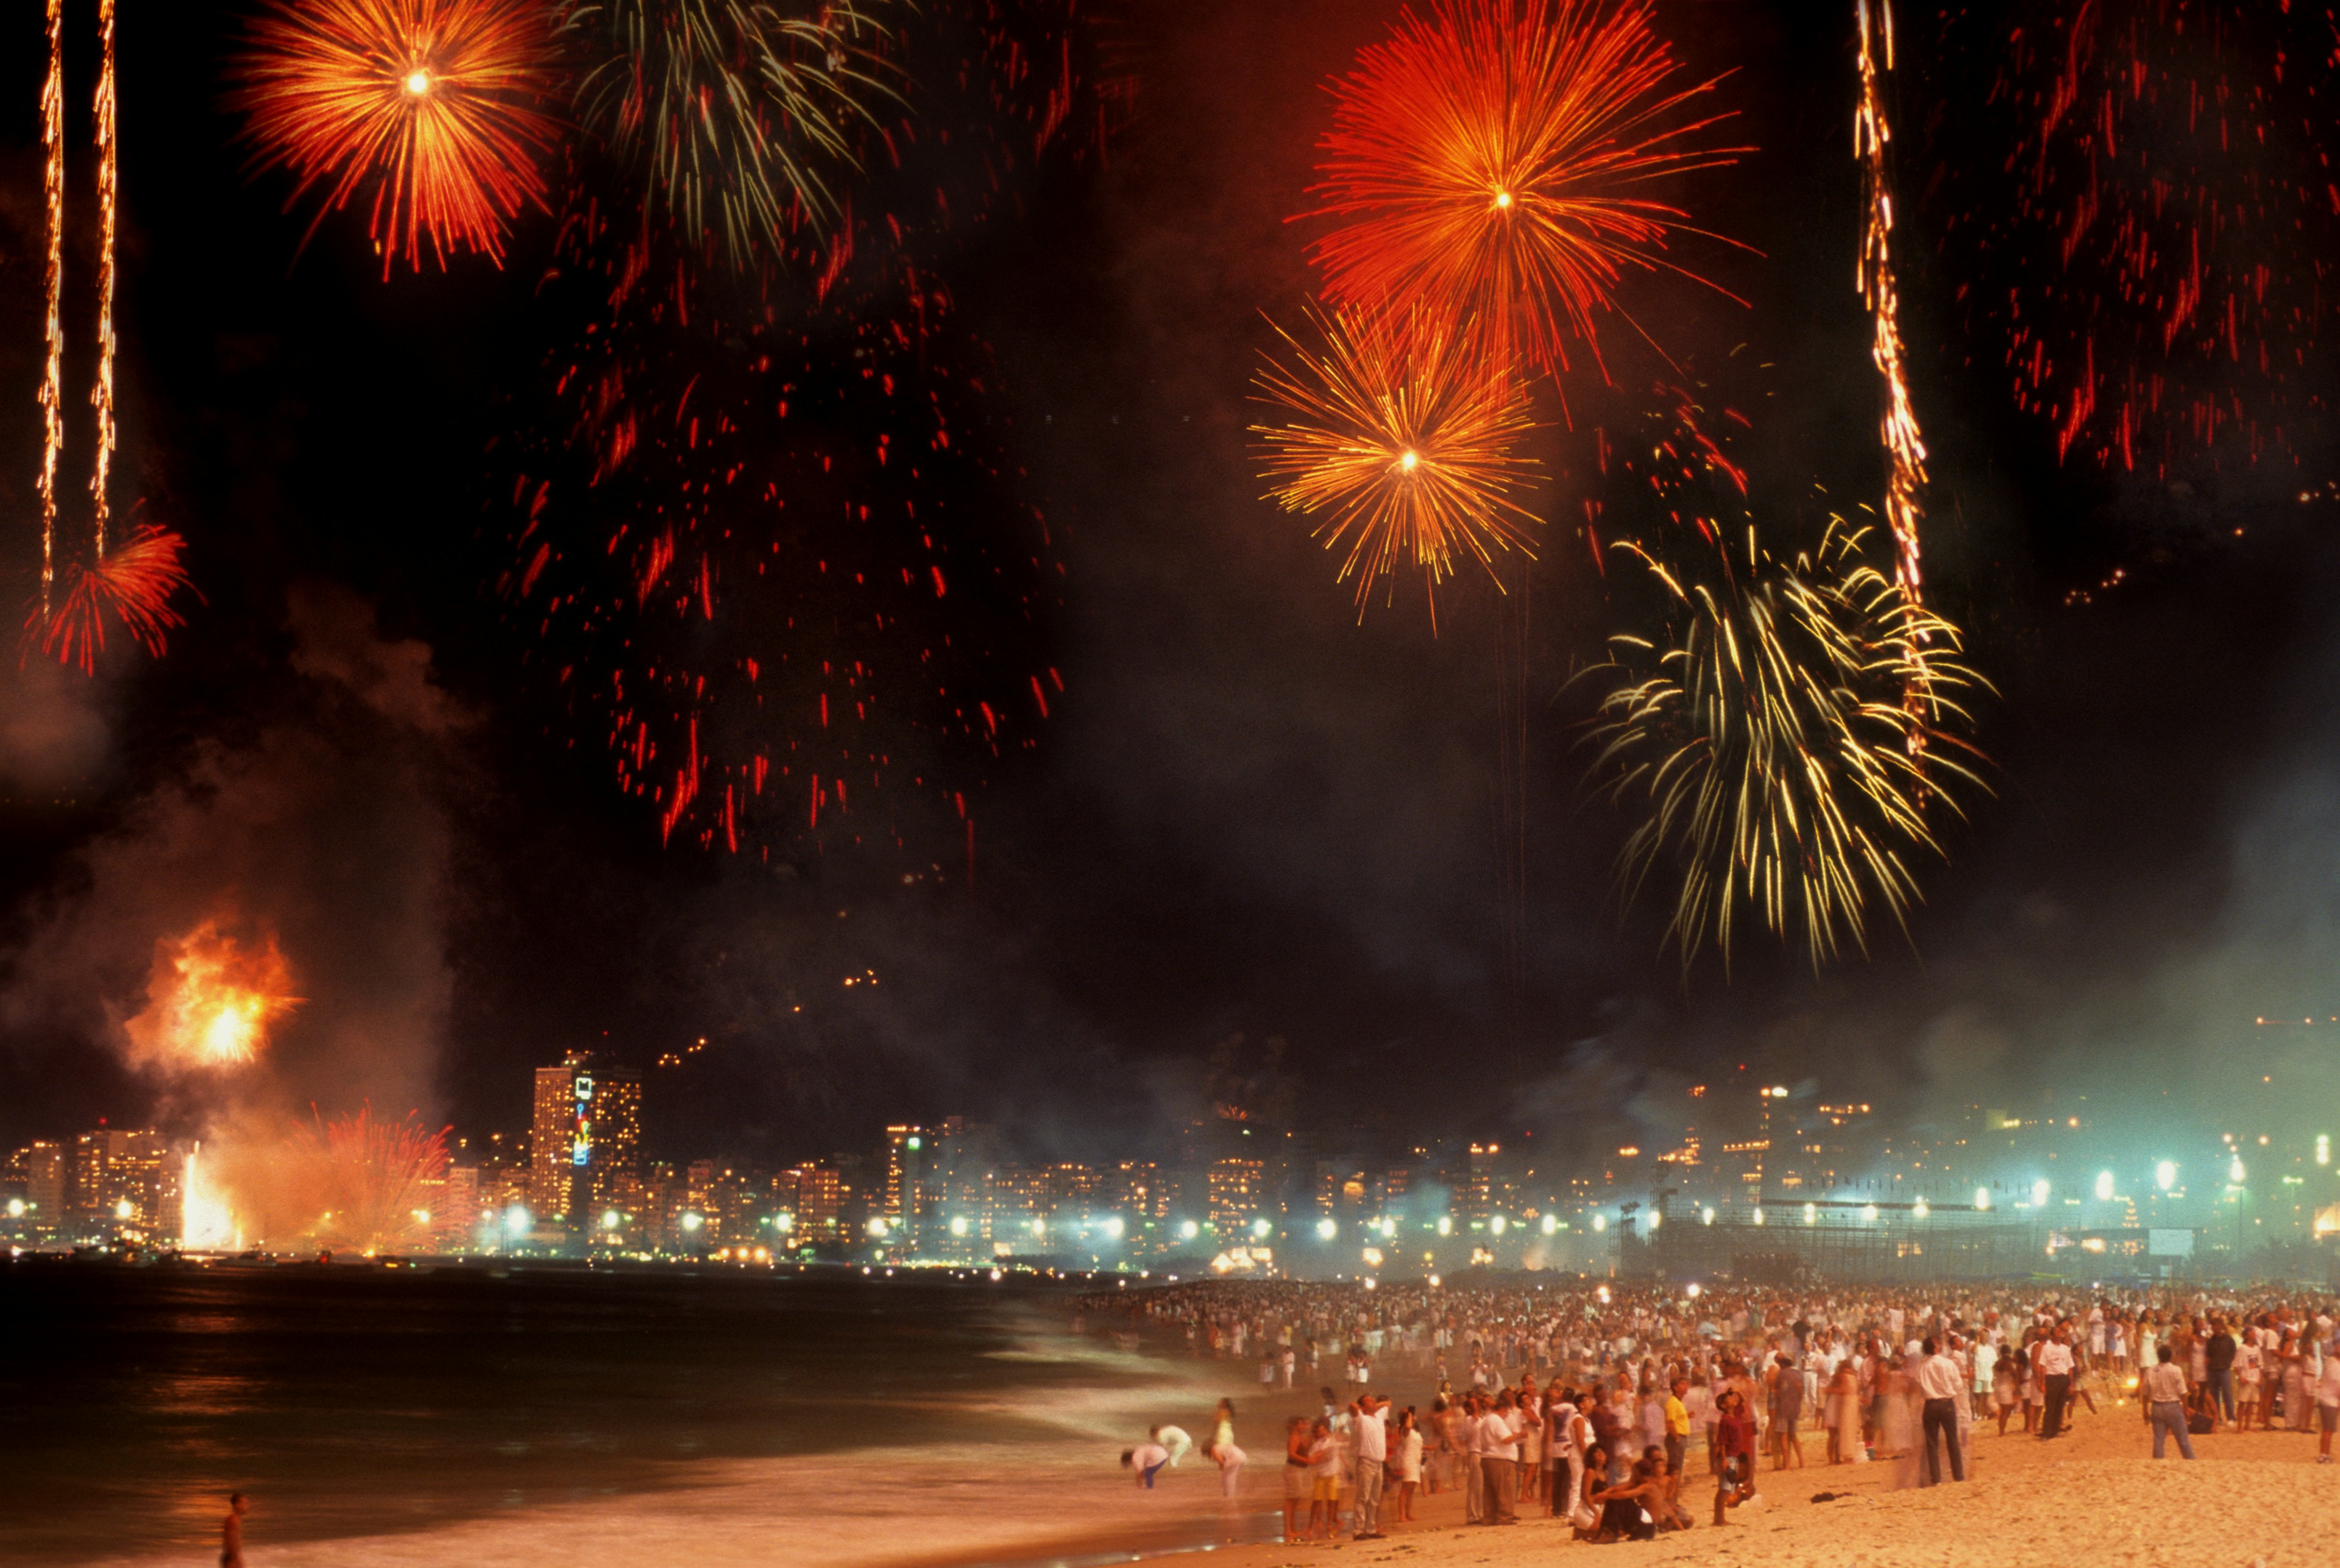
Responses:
[1405,441]
[210,1000]
[368,1180]
[1485,166]
[207,1220]
[431,102]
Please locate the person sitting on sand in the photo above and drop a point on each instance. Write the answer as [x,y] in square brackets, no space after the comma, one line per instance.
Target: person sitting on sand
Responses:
[1627,1511]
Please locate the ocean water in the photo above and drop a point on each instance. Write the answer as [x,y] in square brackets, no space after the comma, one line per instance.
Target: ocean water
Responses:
[527,1416]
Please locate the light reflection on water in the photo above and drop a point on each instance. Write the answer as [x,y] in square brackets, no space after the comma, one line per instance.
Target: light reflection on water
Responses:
[358,1402]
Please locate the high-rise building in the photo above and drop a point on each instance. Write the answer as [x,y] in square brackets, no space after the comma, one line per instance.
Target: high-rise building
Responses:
[905,1169]
[119,1182]
[1234,1194]
[585,1138]
[35,1179]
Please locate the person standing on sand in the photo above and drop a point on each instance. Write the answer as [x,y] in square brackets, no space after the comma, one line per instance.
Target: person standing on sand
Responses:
[2327,1403]
[1406,1459]
[1324,1482]
[1938,1380]
[1787,1411]
[1299,1483]
[1368,1421]
[2163,1393]
[232,1530]
[2055,1364]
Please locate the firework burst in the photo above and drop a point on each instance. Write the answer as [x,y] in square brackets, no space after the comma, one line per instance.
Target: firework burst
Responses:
[211,999]
[1765,738]
[1401,442]
[371,1181]
[736,117]
[434,106]
[132,586]
[1493,163]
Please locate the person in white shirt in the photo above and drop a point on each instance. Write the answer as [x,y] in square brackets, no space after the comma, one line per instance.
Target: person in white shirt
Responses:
[2054,1361]
[1369,1424]
[2163,1389]
[1939,1381]
[1499,1453]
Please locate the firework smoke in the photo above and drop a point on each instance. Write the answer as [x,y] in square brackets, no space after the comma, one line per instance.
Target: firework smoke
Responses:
[211,1000]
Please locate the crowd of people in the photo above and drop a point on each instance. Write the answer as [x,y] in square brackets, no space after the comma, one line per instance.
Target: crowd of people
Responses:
[1589,1399]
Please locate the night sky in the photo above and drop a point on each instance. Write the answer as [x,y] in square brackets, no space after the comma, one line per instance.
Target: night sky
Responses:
[1246,814]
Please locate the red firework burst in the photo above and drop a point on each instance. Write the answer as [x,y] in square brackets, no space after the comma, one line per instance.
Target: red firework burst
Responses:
[1491,164]
[133,584]
[433,104]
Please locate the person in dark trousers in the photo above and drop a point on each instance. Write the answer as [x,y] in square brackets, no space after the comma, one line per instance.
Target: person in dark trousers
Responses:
[1939,1382]
[2054,1359]
[2219,1366]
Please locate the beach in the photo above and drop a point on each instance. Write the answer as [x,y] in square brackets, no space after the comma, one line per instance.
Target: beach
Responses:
[2090,1499]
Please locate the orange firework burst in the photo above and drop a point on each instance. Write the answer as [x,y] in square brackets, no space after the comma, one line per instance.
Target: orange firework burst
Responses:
[1403,439]
[210,1000]
[431,102]
[133,584]
[1486,163]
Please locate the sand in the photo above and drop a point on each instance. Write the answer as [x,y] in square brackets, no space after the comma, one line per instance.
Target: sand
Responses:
[2095,1499]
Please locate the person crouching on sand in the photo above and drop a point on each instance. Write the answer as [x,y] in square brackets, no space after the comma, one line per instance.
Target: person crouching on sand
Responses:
[1147,1459]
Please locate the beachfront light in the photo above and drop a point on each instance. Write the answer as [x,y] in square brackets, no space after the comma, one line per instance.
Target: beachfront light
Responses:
[516,1219]
[2234,1171]
[1869,1212]
[2324,1148]
[1551,1223]
[1692,1290]
[692,1222]
[1706,1216]
[958,1226]
[2104,1186]
[1982,1197]
[1499,1225]
[611,1219]
[1259,1229]
[1600,1222]
[2039,1191]
[1188,1230]
[1446,1225]
[1656,1219]
[1115,1227]
[1811,1214]
[1326,1230]
[2164,1175]
[1919,1209]
[1759,1214]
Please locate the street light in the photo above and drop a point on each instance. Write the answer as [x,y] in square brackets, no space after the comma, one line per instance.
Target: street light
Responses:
[1326,1230]
[2164,1175]
[2039,1192]
[1982,1197]
[2104,1186]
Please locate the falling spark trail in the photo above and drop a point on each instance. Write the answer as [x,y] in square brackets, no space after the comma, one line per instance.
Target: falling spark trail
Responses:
[53,416]
[1905,444]
[101,395]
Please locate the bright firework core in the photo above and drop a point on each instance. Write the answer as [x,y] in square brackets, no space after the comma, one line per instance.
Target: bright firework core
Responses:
[210,1000]
[418,82]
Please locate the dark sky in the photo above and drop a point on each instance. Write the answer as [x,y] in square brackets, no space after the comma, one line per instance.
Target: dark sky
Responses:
[1248,814]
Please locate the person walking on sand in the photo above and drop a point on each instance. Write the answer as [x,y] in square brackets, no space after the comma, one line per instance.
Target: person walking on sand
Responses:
[2163,1391]
[232,1530]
